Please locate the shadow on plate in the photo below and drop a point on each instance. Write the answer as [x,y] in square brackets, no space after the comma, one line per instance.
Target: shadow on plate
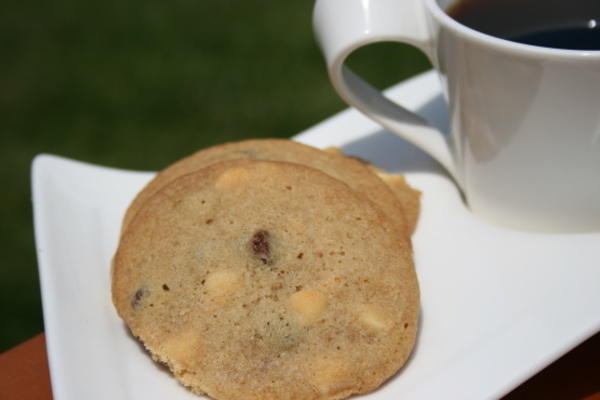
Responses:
[394,154]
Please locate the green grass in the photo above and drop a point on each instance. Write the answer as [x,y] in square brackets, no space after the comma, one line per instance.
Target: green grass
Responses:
[139,84]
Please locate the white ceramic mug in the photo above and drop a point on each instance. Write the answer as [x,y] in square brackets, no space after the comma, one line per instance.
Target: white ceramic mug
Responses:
[525,120]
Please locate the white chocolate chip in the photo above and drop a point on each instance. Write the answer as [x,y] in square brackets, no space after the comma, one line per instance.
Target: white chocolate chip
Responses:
[309,305]
[181,346]
[373,318]
[232,178]
[223,283]
[331,376]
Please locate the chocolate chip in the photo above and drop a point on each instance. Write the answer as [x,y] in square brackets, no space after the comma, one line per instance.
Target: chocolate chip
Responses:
[260,246]
[165,287]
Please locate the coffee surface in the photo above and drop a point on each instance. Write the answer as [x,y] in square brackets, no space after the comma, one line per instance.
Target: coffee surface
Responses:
[549,23]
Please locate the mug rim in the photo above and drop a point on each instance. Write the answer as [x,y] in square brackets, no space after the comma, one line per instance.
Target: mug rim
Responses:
[505,44]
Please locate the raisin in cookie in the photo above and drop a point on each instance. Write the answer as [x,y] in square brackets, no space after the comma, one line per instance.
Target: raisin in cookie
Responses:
[348,170]
[259,279]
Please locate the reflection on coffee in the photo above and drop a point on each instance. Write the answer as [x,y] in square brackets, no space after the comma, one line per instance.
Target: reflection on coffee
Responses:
[550,23]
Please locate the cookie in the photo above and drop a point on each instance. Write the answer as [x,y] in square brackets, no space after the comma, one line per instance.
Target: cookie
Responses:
[348,170]
[409,197]
[258,279]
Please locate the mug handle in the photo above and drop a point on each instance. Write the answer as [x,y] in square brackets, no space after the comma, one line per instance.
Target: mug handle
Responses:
[342,26]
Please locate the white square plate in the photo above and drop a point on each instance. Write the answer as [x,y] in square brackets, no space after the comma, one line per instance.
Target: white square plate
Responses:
[497,305]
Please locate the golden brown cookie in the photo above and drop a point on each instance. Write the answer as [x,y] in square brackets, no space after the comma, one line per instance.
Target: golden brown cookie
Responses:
[258,279]
[408,196]
[350,171]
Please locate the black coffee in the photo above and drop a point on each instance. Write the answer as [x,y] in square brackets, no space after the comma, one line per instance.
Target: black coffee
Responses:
[561,24]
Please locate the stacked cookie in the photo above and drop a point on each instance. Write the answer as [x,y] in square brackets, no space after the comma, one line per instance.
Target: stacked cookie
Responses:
[267,269]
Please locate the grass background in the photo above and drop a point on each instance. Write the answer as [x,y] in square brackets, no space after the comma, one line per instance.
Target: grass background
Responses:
[139,84]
